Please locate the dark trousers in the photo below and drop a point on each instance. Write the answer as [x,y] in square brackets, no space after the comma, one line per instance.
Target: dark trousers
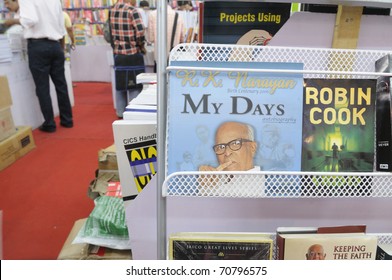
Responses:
[46,60]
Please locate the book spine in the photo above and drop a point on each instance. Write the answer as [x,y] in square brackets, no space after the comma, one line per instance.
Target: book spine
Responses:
[279,247]
[383,116]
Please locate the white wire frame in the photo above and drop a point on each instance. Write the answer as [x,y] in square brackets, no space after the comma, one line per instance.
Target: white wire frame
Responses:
[318,63]
[273,184]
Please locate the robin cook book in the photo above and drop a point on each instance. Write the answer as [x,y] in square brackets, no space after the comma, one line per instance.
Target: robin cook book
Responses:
[338,125]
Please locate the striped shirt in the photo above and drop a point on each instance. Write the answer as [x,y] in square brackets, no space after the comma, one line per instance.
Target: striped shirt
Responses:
[127,29]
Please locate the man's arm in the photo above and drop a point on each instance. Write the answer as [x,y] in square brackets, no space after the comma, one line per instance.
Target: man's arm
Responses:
[28,16]
[71,36]
[138,25]
[69,29]
[151,27]
[140,31]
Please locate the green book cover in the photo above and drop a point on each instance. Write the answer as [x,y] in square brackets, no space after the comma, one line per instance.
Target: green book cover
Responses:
[338,125]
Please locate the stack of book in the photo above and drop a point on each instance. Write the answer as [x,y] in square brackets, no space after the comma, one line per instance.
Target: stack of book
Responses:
[144,106]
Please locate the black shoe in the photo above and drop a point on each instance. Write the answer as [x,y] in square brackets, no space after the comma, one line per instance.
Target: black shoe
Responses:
[67,125]
[47,129]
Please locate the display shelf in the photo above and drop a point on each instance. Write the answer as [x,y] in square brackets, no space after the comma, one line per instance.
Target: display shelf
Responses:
[280,184]
[87,8]
[91,15]
[87,3]
[318,63]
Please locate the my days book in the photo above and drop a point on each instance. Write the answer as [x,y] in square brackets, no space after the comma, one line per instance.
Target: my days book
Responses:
[201,100]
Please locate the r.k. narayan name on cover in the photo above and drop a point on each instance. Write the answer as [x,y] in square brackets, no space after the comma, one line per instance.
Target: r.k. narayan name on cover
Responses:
[234,120]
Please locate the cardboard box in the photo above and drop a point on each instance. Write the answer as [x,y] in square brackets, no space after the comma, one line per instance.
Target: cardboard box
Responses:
[74,251]
[99,186]
[7,126]
[107,158]
[84,251]
[16,146]
[5,93]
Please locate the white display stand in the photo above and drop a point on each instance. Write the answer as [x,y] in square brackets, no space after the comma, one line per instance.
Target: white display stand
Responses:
[25,108]
[239,213]
[187,211]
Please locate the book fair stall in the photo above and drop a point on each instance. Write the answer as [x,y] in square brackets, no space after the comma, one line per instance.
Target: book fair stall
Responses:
[266,134]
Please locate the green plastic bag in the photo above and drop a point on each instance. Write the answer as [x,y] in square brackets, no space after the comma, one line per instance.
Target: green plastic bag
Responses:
[106,225]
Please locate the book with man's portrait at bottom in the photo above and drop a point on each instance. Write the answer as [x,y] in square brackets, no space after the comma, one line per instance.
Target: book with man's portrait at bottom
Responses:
[283,232]
[220,246]
[328,246]
[216,116]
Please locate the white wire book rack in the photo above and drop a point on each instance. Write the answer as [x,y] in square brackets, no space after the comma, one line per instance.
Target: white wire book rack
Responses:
[264,184]
[318,63]
[339,186]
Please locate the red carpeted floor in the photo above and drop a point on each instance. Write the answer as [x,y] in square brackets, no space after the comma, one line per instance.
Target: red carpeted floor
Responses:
[45,192]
